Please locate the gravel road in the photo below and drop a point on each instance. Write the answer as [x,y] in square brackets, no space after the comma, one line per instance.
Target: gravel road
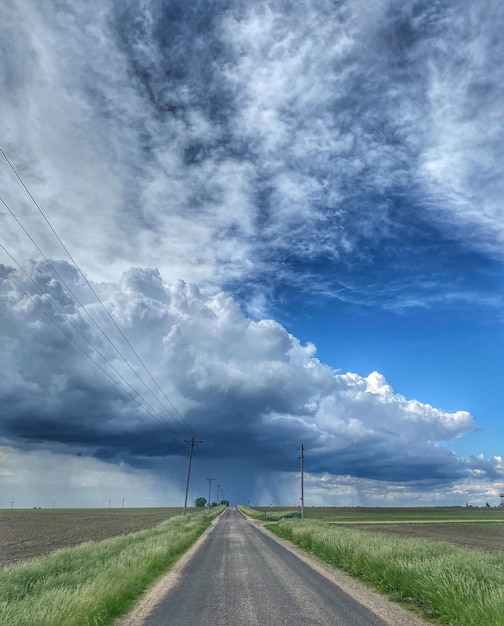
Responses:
[241,574]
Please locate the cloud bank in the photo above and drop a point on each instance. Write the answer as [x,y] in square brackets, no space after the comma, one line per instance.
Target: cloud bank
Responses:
[248,389]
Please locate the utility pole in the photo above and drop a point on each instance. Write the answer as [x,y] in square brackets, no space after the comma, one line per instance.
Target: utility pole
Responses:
[191,443]
[218,492]
[302,448]
[210,491]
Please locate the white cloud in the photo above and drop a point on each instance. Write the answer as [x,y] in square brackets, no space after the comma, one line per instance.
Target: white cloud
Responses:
[290,143]
[462,158]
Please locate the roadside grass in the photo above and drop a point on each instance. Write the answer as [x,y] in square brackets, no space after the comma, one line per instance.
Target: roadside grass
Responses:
[447,584]
[95,582]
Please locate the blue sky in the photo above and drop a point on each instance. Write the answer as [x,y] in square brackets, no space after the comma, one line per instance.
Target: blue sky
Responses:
[292,210]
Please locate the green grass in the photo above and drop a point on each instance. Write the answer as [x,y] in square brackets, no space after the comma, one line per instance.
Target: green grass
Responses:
[95,582]
[449,584]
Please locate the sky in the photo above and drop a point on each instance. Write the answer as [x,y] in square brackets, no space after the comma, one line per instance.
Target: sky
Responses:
[262,224]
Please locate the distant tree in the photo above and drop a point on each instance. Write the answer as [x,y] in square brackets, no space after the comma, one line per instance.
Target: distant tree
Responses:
[200,502]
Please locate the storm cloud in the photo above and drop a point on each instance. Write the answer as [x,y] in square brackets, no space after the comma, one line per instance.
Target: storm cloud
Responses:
[248,389]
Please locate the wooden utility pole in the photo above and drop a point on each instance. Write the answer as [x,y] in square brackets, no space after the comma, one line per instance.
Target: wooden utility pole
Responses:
[210,491]
[191,443]
[301,447]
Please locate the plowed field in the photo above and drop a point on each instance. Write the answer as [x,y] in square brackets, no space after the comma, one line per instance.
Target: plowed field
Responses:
[31,533]
[488,537]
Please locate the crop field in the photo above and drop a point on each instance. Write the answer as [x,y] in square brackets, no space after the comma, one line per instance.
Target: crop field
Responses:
[25,534]
[470,528]
[488,537]
[390,514]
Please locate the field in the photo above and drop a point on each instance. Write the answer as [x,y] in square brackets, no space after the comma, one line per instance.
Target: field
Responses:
[398,514]
[478,529]
[488,537]
[29,533]
[25,534]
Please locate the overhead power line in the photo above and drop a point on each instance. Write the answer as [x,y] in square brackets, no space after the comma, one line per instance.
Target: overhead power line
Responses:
[79,347]
[83,308]
[177,417]
[154,413]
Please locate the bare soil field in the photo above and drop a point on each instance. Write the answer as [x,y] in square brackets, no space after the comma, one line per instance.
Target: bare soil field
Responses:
[25,534]
[488,537]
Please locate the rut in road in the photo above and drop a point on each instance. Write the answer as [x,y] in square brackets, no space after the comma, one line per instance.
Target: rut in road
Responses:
[243,577]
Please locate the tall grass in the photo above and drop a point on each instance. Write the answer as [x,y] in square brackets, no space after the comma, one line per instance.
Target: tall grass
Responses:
[94,583]
[455,586]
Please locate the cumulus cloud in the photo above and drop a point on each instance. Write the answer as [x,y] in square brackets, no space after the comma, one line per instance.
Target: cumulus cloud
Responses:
[249,389]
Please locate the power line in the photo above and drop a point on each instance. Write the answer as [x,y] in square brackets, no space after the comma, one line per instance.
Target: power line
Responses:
[77,345]
[74,262]
[118,352]
[178,418]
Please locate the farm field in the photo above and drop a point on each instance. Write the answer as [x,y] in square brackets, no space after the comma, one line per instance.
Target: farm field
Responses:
[28,533]
[488,537]
[477,529]
[390,514]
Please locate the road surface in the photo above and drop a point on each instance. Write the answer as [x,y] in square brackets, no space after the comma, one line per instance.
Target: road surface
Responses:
[240,576]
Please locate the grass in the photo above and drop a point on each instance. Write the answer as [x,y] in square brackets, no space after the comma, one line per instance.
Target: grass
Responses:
[95,582]
[451,585]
